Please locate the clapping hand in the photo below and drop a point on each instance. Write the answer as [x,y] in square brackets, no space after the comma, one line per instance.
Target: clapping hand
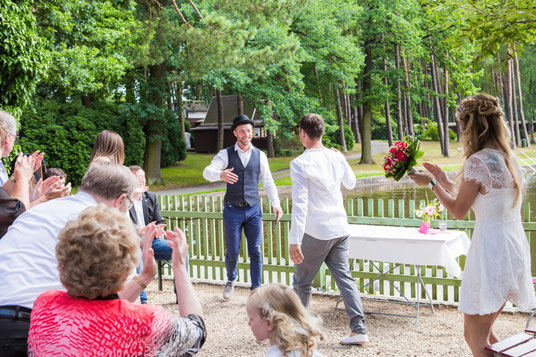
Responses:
[24,167]
[147,254]
[177,241]
[437,172]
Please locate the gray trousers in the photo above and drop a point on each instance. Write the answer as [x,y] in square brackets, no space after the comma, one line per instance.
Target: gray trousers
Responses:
[335,253]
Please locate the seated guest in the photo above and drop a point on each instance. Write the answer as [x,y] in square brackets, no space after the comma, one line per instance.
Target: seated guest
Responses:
[27,251]
[13,206]
[96,253]
[55,171]
[108,146]
[145,211]
[44,191]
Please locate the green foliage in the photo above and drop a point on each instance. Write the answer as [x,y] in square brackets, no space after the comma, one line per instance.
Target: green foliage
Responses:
[65,133]
[287,146]
[431,133]
[24,56]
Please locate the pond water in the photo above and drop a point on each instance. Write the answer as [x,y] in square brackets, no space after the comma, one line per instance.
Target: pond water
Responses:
[409,191]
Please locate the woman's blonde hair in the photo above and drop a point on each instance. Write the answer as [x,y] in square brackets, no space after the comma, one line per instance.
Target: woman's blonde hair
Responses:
[96,252]
[484,124]
[108,144]
[294,326]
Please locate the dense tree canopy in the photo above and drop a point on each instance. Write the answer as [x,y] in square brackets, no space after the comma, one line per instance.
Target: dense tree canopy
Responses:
[377,69]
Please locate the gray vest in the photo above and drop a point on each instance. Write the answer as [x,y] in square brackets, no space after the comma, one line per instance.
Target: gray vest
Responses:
[247,187]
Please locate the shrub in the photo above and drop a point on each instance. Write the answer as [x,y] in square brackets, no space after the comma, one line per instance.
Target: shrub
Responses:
[431,133]
[65,133]
[331,139]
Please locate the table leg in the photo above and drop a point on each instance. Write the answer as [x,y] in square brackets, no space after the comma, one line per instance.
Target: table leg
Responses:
[421,283]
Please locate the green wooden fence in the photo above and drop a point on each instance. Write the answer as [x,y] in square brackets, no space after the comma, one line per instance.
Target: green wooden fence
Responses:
[202,218]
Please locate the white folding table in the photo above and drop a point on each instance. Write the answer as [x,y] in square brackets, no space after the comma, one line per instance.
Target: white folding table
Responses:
[403,245]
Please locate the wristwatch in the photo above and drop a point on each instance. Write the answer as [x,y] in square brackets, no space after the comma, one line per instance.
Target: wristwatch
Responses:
[432,184]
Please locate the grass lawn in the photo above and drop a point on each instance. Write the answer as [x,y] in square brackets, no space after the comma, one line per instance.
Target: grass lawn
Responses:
[190,171]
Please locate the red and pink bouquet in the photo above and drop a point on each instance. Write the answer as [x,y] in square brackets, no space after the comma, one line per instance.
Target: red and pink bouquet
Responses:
[401,158]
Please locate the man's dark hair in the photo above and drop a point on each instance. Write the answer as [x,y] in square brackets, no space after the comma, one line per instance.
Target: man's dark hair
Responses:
[54,171]
[313,125]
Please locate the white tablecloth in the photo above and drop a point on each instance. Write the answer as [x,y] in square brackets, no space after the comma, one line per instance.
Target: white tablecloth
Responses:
[408,246]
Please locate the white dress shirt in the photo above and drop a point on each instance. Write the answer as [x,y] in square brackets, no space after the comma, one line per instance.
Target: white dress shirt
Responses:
[138,208]
[221,160]
[28,250]
[317,203]
[3,174]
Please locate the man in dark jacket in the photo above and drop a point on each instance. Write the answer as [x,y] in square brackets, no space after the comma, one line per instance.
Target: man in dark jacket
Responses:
[144,211]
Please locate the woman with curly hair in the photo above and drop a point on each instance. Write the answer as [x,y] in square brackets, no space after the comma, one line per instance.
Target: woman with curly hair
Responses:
[498,263]
[276,313]
[96,252]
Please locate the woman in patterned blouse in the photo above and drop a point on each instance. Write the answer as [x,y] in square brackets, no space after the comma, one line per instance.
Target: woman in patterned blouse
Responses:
[96,252]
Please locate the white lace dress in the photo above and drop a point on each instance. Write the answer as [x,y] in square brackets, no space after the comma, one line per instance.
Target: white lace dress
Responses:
[498,263]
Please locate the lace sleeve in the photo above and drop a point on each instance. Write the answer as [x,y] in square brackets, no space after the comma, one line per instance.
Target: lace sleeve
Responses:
[183,336]
[475,170]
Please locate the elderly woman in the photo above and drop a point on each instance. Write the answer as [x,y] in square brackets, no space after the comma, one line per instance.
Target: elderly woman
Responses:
[96,252]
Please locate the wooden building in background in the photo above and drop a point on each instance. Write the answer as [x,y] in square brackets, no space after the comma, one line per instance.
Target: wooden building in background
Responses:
[206,134]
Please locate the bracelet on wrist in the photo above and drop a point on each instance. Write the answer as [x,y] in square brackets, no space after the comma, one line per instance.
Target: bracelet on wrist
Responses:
[137,280]
[432,184]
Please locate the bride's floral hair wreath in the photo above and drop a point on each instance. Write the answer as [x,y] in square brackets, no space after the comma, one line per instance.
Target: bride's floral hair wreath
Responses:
[484,125]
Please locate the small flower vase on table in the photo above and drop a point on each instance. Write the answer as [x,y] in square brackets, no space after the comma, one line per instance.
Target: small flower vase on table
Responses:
[431,211]
[425,227]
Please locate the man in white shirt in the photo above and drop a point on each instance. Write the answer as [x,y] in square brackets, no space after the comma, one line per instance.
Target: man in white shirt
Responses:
[319,227]
[243,166]
[146,210]
[27,251]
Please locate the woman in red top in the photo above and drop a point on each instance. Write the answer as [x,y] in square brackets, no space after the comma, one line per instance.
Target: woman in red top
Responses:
[96,252]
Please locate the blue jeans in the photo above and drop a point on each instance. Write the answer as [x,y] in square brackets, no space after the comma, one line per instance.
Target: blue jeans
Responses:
[250,219]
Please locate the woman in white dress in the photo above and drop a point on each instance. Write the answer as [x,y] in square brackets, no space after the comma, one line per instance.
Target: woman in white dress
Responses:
[498,263]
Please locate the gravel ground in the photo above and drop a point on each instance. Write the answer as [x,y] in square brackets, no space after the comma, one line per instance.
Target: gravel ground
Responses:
[436,334]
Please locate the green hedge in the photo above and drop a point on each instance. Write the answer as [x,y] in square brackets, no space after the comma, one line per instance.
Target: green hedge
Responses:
[65,133]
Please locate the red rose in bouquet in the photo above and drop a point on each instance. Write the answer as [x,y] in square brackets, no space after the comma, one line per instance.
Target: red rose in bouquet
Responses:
[401,158]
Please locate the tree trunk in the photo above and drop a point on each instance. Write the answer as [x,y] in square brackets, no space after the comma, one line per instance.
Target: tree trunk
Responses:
[446,118]
[154,127]
[399,120]
[178,93]
[427,91]
[221,123]
[270,144]
[240,104]
[520,96]
[86,100]
[508,98]
[437,105]
[129,87]
[387,110]
[409,113]
[342,141]
[348,110]
[366,138]
[514,106]
[355,125]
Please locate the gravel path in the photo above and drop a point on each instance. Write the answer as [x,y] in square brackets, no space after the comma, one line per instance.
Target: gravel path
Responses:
[437,334]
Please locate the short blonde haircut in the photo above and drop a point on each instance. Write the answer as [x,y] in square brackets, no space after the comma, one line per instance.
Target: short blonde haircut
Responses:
[294,327]
[96,252]
[109,145]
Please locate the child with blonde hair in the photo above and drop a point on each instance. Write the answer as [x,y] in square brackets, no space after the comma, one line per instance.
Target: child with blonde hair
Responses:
[276,313]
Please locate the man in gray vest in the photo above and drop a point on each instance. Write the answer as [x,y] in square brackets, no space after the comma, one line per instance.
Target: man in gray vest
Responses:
[243,166]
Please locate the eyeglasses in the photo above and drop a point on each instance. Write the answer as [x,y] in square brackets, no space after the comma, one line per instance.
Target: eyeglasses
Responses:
[15,136]
[131,203]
